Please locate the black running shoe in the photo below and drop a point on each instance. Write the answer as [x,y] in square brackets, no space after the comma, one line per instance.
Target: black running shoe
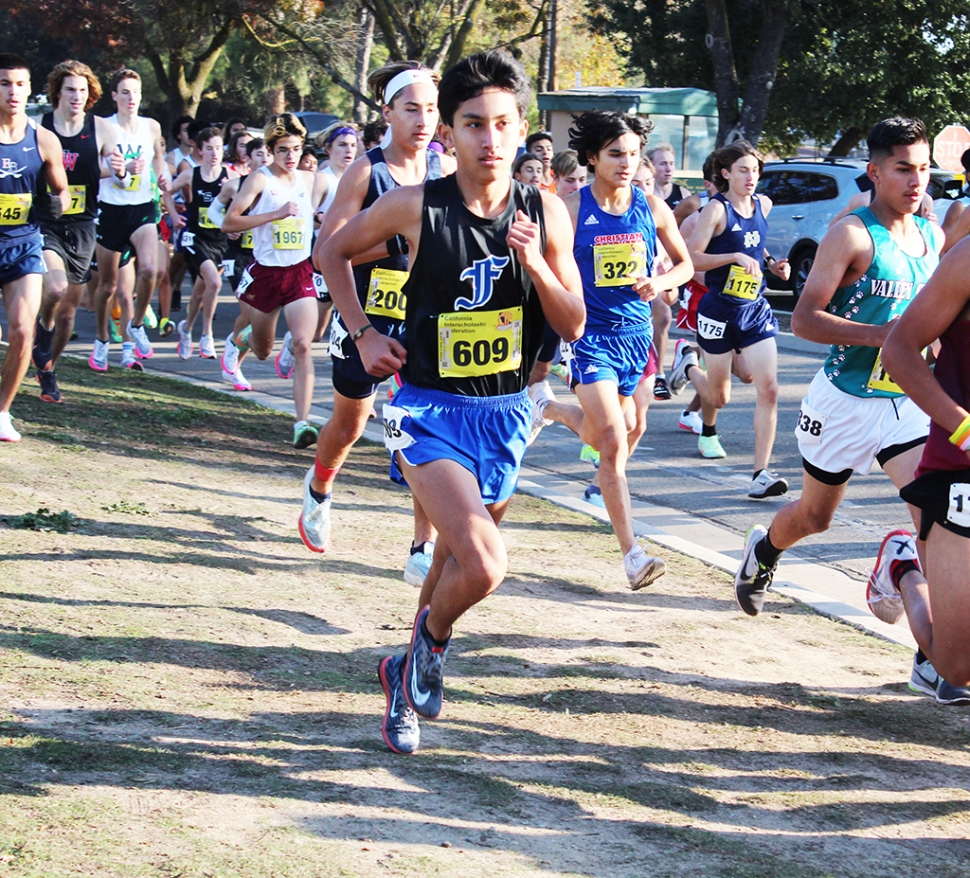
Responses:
[753,578]
[47,379]
[42,352]
[661,391]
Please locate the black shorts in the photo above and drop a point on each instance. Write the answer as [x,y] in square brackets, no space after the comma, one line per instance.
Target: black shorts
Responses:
[349,378]
[235,259]
[118,222]
[201,251]
[943,498]
[74,243]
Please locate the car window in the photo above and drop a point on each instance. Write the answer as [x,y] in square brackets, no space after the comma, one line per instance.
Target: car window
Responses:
[800,187]
[766,183]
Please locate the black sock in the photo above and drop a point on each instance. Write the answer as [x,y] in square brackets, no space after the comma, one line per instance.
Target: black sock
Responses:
[318,497]
[424,630]
[709,430]
[757,473]
[766,553]
[420,547]
[687,371]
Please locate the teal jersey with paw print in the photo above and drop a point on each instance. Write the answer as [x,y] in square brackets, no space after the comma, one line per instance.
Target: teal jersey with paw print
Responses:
[882,294]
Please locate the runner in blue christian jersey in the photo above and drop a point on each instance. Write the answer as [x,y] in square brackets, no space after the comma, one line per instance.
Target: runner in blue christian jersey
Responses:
[409,94]
[728,243]
[27,153]
[616,227]
[489,259]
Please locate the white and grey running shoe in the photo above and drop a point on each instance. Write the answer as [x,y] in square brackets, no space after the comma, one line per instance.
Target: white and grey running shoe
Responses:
[753,578]
[143,347]
[767,484]
[684,357]
[642,569]
[927,681]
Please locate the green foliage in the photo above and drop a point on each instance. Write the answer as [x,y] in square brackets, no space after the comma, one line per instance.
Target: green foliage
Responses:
[44,519]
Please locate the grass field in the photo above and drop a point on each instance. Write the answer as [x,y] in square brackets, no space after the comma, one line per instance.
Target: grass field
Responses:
[185,691]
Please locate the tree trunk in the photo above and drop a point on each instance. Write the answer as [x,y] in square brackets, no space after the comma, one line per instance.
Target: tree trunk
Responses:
[848,141]
[276,100]
[761,79]
[365,42]
[718,42]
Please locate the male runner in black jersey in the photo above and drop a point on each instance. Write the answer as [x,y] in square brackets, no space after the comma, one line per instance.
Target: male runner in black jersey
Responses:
[69,240]
[490,261]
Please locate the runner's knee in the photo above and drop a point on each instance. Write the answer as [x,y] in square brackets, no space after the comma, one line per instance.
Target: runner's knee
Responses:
[485,571]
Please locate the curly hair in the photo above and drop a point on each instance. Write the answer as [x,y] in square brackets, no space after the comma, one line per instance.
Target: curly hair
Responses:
[55,81]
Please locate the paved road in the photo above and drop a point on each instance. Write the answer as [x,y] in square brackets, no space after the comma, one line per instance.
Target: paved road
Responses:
[666,469]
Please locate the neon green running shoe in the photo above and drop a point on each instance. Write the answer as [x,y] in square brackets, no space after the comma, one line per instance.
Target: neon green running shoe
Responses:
[151,321]
[115,331]
[590,455]
[710,447]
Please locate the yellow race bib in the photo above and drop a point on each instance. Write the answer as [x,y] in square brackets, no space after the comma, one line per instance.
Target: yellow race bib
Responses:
[131,183]
[288,234]
[742,285]
[619,265]
[473,343]
[385,293]
[880,380]
[79,200]
[246,240]
[15,208]
[204,221]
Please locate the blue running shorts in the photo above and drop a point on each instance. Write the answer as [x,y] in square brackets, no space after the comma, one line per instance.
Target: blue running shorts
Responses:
[619,355]
[485,434]
[723,326]
[19,260]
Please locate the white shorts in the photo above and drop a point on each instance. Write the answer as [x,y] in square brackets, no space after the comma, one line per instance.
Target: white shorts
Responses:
[838,432]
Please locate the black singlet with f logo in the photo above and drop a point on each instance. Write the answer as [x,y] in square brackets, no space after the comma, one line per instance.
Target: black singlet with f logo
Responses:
[474,322]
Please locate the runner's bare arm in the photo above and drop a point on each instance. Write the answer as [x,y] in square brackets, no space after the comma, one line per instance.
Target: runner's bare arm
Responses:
[102,135]
[667,284]
[50,151]
[843,256]
[158,159]
[347,203]
[712,222]
[943,300]
[553,270]
[247,196]
[397,212]
[690,205]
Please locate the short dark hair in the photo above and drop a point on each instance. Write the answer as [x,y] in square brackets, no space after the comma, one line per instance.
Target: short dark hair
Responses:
[206,133]
[597,128]
[896,131]
[707,169]
[472,75]
[374,131]
[11,61]
[535,137]
[726,156]
[253,145]
[195,126]
[176,127]
[227,125]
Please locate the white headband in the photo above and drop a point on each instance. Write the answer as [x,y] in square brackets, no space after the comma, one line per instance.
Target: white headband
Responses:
[403,80]
[399,82]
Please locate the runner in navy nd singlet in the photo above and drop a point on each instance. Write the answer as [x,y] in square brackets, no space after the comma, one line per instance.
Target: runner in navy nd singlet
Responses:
[616,226]
[489,260]
[938,610]
[69,241]
[728,244]
[402,159]
[29,156]
[203,242]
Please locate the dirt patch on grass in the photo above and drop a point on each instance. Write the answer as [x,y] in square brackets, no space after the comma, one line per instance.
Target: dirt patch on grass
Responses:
[188,692]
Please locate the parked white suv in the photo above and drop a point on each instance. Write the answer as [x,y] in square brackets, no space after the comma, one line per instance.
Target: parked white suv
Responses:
[806,194]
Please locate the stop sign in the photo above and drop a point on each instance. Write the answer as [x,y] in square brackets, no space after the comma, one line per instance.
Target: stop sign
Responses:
[949,145]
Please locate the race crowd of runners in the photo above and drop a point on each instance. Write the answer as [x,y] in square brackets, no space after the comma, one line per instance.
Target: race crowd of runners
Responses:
[469,271]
